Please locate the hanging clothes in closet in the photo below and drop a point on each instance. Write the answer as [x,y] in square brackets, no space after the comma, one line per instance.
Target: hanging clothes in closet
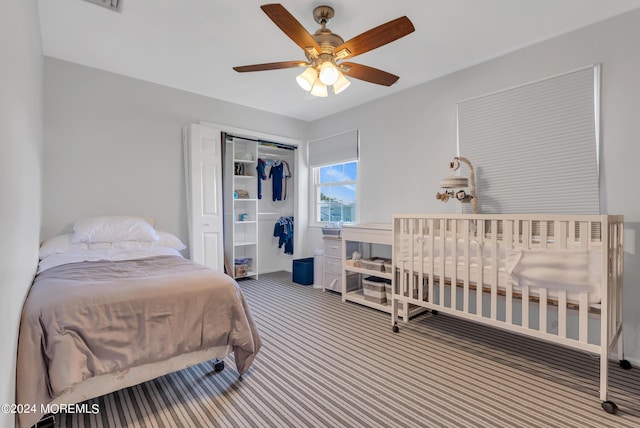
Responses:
[283,230]
[286,174]
[279,173]
[276,174]
[262,175]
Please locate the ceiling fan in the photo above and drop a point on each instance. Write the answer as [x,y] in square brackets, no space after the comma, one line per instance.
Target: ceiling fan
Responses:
[325,50]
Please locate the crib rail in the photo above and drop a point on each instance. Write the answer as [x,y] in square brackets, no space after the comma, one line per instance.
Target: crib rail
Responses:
[473,266]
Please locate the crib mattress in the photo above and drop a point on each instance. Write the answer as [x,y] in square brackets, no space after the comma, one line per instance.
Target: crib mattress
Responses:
[506,275]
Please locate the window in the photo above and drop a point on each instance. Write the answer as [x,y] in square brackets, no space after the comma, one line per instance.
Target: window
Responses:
[335,192]
[333,166]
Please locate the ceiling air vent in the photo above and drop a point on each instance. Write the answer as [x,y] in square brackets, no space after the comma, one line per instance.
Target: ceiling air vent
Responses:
[114,5]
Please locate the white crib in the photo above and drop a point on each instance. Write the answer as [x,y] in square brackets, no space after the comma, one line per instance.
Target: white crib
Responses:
[523,273]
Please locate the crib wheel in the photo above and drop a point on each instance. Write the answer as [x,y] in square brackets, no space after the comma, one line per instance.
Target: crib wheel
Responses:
[625,364]
[396,329]
[218,366]
[609,407]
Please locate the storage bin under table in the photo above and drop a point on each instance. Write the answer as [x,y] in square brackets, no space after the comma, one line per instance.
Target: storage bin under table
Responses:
[375,289]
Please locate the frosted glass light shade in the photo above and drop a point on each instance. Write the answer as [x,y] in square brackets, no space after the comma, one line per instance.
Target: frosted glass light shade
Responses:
[319,89]
[341,84]
[328,73]
[307,78]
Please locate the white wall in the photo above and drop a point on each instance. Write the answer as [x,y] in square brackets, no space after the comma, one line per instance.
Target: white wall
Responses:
[407,139]
[20,178]
[113,145]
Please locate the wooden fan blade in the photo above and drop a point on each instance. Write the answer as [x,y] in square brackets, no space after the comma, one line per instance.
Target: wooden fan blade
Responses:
[270,66]
[291,27]
[374,38]
[368,74]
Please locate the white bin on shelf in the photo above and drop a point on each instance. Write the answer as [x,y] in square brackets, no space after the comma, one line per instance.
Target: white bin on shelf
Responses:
[318,270]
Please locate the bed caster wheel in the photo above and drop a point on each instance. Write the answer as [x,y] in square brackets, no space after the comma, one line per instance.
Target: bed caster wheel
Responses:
[218,366]
[625,364]
[396,329]
[610,407]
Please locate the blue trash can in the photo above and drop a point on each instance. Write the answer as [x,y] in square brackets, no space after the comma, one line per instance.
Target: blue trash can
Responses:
[303,271]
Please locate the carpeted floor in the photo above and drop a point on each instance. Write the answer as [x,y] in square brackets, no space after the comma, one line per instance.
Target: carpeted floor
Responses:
[325,363]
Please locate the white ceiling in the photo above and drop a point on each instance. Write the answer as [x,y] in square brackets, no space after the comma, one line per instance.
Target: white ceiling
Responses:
[193,44]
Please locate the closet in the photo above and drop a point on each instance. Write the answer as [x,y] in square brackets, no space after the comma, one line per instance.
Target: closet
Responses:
[259,185]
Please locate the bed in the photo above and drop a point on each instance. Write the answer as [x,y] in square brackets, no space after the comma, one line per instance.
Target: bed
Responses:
[546,276]
[119,306]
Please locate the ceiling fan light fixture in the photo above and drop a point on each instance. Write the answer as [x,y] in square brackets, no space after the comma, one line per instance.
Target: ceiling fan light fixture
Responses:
[341,84]
[307,78]
[319,89]
[324,49]
[328,73]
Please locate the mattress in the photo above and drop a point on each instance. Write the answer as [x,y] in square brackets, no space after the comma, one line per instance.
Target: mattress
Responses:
[574,271]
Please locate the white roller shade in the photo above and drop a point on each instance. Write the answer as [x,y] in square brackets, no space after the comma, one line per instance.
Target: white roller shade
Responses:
[335,149]
[535,147]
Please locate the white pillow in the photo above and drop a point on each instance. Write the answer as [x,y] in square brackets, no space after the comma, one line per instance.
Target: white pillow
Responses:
[168,240]
[59,244]
[113,229]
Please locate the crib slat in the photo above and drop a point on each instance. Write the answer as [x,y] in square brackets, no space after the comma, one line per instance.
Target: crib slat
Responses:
[479,270]
[585,234]
[508,242]
[526,244]
[526,235]
[454,272]
[572,234]
[467,266]
[525,306]
[560,230]
[494,269]
[583,316]
[562,313]
[409,276]
[422,233]
[416,276]
[431,272]
[543,308]
[443,261]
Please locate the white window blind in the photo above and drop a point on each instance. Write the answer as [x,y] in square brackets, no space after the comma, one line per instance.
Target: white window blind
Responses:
[335,149]
[534,148]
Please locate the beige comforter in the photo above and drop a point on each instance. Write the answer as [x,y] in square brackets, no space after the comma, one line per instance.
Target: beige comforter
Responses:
[87,319]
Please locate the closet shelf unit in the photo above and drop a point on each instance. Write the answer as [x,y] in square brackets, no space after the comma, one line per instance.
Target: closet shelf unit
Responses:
[250,246]
[369,237]
[244,245]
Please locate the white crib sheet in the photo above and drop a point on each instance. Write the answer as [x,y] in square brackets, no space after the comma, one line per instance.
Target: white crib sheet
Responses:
[575,271]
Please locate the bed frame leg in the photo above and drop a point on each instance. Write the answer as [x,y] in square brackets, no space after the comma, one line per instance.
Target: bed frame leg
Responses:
[218,365]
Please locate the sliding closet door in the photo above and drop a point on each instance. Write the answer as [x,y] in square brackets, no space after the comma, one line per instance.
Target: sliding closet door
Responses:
[203,167]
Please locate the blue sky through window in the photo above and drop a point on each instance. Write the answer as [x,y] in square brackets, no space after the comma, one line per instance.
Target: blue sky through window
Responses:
[337,192]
